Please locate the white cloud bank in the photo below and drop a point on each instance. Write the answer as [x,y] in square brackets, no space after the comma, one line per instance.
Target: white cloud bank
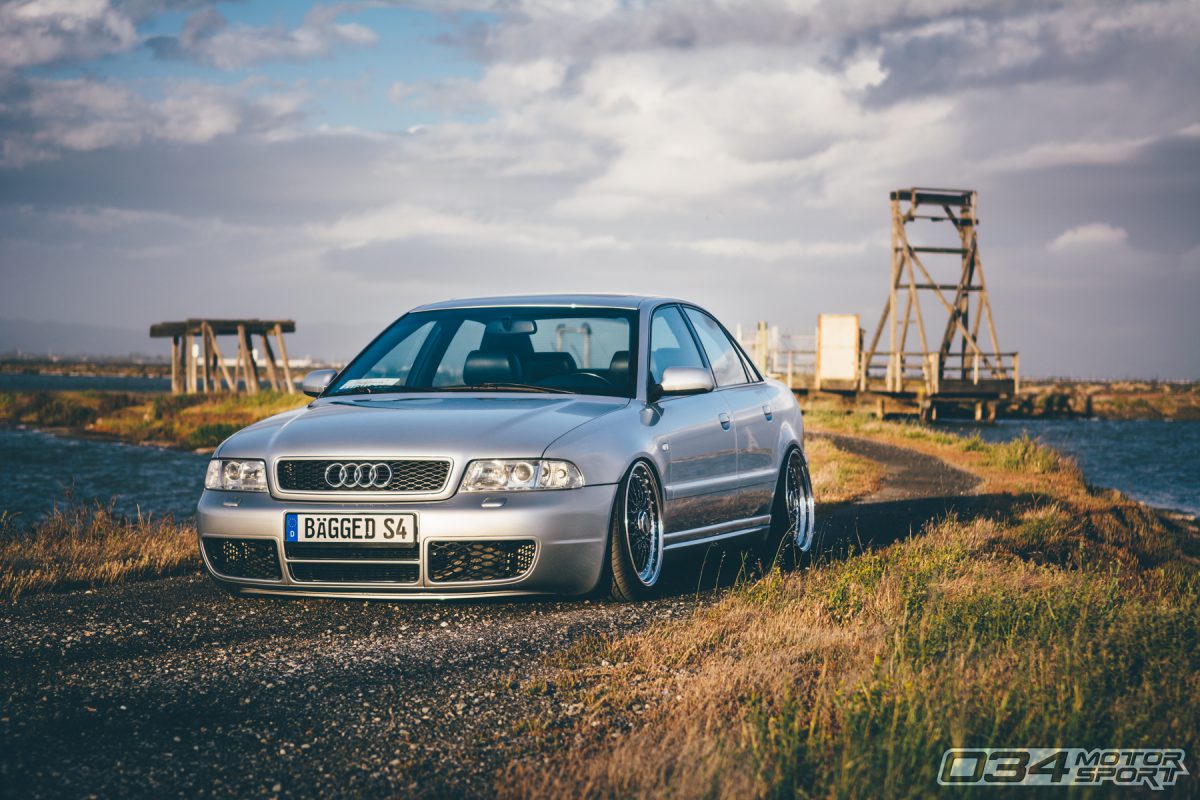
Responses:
[1093,236]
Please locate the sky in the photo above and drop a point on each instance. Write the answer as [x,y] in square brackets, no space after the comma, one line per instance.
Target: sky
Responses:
[341,163]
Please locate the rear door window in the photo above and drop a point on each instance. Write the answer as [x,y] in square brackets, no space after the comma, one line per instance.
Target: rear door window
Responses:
[722,354]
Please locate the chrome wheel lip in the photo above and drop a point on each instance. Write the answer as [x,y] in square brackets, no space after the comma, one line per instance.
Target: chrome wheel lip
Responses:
[799,501]
[642,517]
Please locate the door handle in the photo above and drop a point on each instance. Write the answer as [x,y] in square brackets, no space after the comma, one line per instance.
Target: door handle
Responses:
[724,420]
[768,413]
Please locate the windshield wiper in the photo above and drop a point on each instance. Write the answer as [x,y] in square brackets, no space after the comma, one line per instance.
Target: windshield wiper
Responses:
[378,388]
[502,387]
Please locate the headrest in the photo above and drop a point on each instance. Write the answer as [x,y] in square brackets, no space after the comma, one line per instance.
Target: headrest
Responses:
[543,365]
[491,366]
[620,361]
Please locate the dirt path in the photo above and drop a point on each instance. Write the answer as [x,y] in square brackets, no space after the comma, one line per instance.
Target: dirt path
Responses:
[917,489]
[174,688]
[909,474]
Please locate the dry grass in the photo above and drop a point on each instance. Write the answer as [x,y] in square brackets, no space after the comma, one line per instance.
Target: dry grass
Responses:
[1072,620]
[86,546]
[838,476]
[191,421]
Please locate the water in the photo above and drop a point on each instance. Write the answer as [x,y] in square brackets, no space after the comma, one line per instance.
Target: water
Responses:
[1157,462]
[37,470]
[1153,461]
[24,382]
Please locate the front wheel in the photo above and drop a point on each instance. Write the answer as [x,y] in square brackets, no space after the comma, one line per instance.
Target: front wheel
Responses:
[635,542]
[792,514]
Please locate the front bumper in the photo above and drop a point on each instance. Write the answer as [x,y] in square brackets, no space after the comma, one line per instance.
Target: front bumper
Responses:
[569,531]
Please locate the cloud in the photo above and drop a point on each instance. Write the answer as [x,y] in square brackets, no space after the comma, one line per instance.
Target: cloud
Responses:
[789,250]
[34,32]
[208,38]
[86,114]
[1092,236]
[737,153]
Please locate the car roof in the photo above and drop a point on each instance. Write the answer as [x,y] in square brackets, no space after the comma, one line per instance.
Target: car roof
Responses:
[630,301]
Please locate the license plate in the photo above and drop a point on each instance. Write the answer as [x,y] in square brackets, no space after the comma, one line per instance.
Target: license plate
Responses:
[393,529]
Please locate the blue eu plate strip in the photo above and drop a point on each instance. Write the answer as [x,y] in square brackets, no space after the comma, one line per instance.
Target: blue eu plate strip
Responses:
[290,527]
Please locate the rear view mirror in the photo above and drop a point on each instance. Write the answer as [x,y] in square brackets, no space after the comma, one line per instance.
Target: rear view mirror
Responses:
[683,380]
[315,382]
[507,326]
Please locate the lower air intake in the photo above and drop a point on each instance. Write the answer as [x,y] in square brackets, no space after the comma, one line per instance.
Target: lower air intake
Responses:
[455,562]
[243,558]
[367,572]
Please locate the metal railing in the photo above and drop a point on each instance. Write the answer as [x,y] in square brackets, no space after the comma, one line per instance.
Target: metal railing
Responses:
[896,368]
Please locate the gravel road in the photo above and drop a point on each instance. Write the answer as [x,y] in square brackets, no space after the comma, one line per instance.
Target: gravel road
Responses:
[173,688]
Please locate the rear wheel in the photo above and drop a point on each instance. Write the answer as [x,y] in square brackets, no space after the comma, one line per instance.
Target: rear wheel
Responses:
[792,514]
[635,547]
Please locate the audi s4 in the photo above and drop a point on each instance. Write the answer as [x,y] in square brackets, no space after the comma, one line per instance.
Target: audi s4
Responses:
[502,446]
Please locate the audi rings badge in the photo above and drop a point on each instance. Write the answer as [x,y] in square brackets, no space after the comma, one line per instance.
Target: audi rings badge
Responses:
[358,476]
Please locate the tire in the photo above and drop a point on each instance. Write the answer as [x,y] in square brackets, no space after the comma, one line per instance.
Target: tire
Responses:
[635,540]
[792,514]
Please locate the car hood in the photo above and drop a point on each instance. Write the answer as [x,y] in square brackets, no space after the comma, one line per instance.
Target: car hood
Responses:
[460,427]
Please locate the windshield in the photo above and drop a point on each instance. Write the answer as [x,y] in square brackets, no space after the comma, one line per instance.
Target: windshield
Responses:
[515,349]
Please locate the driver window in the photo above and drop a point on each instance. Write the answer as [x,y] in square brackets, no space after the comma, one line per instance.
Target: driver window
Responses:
[671,343]
[394,367]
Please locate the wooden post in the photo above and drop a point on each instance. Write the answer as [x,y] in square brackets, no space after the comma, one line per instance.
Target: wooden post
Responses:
[189,341]
[287,369]
[269,355]
[249,368]
[206,352]
[176,387]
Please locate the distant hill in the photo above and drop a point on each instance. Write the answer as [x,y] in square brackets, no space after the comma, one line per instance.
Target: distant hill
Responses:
[332,341]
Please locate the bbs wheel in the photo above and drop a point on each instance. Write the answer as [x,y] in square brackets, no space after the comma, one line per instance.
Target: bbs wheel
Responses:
[635,540]
[792,515]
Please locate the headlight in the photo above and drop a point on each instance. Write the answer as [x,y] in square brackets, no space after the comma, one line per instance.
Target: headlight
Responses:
[507,475]
[236,475]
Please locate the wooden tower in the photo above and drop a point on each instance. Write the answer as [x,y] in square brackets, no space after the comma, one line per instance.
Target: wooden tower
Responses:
[945,361]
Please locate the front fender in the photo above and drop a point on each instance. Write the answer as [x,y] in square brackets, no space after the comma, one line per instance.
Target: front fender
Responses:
[604,448]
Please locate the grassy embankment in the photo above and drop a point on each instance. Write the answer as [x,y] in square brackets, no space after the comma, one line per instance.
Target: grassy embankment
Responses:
[1061,617]
[193,421]
[1108,400]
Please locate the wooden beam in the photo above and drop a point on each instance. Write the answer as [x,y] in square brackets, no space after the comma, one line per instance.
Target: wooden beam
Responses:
[287,368]
[176,387]
[249,368]
[269,355]
[230,381]
[222,327]
[189,352]
[207,365]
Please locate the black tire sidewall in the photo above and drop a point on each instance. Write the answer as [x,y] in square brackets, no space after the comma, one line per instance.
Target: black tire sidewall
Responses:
[625,583]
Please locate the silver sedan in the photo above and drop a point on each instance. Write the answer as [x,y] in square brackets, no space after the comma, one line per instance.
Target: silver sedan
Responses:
[519,445]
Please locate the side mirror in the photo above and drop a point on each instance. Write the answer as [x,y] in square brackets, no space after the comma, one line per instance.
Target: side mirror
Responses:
[681,381]
[315,382]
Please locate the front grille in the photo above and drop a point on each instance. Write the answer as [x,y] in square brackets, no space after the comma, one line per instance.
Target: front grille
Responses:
[488,560]
[355,573]
[408,475]
[348,552]
[243,558]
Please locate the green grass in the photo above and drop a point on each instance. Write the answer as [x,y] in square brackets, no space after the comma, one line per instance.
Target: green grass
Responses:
[195,421]
[1023,454]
